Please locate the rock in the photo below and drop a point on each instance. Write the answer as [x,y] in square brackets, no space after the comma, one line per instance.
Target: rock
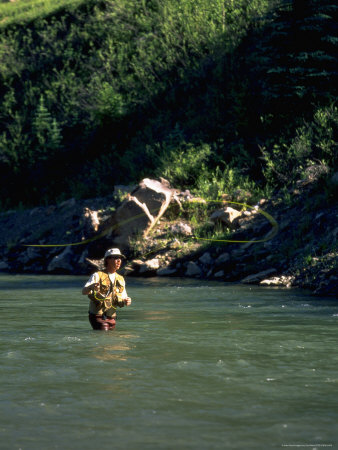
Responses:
[328,287]
[165,182]
[132,218]
[155,195]
[84,263]
[4,265]
[223,258]
[31,255]
[277,281]
[334,179]
[248,244]
[70,203]
[62,263]
[206,259]
[312,174]
[97,263]
[90,222]
[256,278]
[240,195]
[126,270]
[166,272]
[138,214]
[50,210]
[150,266]
[136,263]
[193,270]
[228,216]
[219,274]
[181,228]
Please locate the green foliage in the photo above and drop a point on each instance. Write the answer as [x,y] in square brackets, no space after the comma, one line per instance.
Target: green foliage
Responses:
[46,132]
[97,174]
[122,90]
[23,11]
[214,185]
[314,143]
[184,165]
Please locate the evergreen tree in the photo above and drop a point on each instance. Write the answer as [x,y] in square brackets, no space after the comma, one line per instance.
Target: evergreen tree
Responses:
[46,132]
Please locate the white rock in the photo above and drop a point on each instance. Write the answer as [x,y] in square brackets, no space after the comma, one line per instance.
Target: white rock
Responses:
[275,281]
[181,228]
[228,216]
[150,265]
[278,281]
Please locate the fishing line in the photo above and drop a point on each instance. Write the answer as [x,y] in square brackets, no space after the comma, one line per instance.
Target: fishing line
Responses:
[268,237]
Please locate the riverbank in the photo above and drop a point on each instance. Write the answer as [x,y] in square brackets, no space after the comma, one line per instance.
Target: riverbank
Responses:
[287,242]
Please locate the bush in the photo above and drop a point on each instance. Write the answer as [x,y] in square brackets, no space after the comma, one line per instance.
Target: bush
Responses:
[214,185]
[315,143]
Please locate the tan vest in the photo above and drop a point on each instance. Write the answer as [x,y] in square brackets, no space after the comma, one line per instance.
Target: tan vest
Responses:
[109,296]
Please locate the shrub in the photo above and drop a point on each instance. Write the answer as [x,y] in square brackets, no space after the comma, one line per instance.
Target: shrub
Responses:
[314,143]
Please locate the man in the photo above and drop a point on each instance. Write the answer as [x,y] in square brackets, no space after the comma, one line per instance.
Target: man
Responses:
[106,291]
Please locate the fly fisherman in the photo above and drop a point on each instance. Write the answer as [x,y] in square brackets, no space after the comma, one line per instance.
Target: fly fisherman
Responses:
[106,291]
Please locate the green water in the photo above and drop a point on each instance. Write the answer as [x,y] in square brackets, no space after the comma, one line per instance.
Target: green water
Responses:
[190,365]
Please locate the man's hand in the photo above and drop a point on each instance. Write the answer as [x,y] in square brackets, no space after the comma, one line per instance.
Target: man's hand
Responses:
[93,287]
[127,301]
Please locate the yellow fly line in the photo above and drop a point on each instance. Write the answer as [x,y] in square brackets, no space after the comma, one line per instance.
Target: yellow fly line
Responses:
[268,237]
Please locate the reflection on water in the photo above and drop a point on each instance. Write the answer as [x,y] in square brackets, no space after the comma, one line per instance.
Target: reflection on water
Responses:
[190,364]
[116,350]
[157,315]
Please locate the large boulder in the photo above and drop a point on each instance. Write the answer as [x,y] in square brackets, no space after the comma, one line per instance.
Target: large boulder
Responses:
[155,194]
[132,219]
[141,210]
[62,263]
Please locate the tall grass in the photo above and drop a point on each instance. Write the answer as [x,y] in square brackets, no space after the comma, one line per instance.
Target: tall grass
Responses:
[22,11]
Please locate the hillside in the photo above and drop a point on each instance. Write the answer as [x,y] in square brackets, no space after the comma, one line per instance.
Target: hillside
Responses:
[214,96]
[98,81]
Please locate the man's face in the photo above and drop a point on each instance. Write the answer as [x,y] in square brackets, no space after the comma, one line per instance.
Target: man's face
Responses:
[113,263]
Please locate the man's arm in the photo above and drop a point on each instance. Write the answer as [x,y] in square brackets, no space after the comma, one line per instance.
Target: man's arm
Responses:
[92,284]
[92,287]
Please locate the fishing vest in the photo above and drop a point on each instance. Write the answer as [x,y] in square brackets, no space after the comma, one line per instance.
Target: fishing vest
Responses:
[109,296]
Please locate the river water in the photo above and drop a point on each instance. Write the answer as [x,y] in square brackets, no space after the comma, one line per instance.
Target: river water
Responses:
[190,365]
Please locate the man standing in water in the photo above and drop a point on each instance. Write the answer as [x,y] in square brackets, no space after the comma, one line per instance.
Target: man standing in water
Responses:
[106,291]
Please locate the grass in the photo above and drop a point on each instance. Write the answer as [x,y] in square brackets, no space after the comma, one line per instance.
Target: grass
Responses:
[23,11]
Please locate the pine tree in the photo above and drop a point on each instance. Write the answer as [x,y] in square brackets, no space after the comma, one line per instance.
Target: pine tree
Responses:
[292,62]
[46,132]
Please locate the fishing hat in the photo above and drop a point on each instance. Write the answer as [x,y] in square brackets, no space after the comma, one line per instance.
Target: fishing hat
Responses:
[114,252]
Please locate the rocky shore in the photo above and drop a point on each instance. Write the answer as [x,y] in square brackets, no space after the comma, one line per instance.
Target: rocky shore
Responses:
[279,244]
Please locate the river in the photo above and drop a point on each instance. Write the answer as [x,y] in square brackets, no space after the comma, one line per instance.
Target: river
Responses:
[190,365]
